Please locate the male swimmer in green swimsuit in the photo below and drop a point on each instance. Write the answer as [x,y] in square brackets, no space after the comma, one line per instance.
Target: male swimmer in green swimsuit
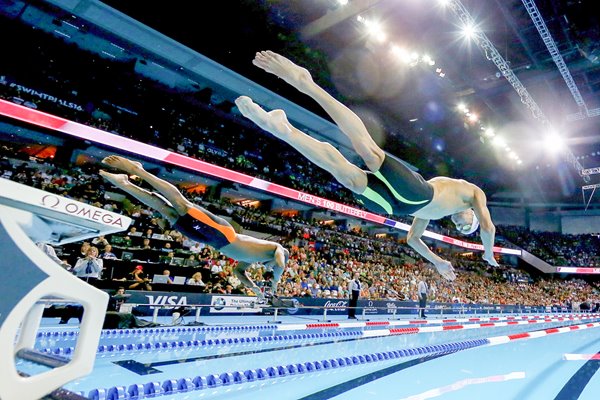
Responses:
[388,186]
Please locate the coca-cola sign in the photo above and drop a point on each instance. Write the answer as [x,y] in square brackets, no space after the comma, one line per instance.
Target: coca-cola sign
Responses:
[336,305]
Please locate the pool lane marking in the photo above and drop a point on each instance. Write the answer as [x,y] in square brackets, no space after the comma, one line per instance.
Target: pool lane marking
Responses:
[575,386]
[581,357]
[142,369]
[148,368]
[329,325]
[367,378]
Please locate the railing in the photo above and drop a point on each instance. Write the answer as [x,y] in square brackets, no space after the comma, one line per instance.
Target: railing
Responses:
[439,310]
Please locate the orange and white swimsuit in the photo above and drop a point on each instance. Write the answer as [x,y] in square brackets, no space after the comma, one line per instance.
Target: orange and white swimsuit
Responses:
[204,227]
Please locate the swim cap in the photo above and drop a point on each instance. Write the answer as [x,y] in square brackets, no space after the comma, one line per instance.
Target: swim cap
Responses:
[469,229]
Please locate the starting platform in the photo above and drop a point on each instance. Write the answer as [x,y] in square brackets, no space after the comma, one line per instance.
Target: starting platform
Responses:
[33,281]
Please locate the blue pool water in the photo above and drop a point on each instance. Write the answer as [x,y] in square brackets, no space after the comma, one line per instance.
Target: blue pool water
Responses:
[294,358]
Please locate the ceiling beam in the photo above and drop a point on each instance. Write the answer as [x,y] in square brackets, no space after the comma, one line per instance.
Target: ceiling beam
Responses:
[336,16]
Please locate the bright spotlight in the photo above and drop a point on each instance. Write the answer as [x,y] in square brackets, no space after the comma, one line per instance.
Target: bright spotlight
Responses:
[401,54]
[498,141]
[554,143]
[489,132]
[374,29]
[469,31]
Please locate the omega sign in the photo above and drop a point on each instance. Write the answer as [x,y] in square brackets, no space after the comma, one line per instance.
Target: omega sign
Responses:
[82,210]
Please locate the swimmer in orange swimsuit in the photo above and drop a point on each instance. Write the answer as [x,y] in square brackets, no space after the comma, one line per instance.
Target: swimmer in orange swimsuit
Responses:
[200,224]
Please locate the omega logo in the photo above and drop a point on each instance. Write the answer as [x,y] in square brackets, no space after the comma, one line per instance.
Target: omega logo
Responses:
[82,210]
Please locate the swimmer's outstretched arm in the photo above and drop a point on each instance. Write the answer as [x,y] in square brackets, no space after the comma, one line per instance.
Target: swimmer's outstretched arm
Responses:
[486,226]
[414,240]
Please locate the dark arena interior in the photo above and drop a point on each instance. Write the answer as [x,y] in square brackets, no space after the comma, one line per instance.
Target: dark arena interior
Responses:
[316,199]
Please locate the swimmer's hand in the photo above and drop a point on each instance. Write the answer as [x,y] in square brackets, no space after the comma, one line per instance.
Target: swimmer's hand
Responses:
[490,259]
[445,269]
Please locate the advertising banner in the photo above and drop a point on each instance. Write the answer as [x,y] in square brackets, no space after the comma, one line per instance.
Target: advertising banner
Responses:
[213,304]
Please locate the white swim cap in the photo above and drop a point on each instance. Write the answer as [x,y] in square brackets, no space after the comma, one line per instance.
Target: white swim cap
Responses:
[469,229]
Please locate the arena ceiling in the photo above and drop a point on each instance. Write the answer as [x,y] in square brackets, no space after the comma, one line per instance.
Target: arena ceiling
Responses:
[414,104]
[409,108]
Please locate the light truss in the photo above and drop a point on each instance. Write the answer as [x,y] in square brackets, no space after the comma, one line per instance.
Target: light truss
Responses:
[586,188]
[591,171]
[493,55]
[540,25]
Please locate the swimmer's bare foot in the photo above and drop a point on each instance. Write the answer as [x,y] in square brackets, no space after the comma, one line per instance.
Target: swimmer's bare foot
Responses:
[275,121]
[119,180]
[283,68]
[123,164]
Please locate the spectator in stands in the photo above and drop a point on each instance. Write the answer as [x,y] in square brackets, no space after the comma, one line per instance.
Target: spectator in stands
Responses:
[191,261]
[196,280]
[90,267]
[234,281]
[315,290]
[218,265]
[388,186]
[199,224]
[167,273]
[168,259]
[140,279]
[82,253]
[146,244]
[99,241]
[107,253]
[166,247]
[174,235]
[229,289]
[196,248]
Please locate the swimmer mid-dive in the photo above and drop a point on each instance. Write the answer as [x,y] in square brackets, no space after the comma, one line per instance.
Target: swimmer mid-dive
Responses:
[199,224]
[388,186]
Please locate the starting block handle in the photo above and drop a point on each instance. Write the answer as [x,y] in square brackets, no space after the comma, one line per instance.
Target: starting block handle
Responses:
[35,277]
